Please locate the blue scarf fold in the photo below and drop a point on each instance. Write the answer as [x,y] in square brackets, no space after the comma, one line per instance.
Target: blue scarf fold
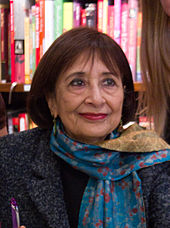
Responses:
[113,196]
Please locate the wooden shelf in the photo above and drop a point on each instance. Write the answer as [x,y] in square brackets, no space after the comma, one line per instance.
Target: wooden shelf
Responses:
[5,87]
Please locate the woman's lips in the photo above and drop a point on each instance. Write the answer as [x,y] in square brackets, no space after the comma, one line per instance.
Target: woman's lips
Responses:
[93,116]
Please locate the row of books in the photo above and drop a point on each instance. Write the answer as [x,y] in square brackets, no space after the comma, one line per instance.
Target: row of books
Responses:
[144,122]
[33,26]
[19,121]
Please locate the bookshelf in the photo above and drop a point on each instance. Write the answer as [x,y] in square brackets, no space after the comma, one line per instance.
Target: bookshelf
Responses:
[5,87]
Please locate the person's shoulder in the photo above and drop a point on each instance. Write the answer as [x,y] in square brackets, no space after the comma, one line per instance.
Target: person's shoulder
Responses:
[155,182]
[24,140]
[153,173]
[31,134]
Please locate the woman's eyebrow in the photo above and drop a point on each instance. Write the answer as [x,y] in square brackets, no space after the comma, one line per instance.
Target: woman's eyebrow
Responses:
[78,73]
[110,73]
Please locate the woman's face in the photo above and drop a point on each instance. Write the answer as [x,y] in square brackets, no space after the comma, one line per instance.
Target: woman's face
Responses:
[88,100]
[166,6]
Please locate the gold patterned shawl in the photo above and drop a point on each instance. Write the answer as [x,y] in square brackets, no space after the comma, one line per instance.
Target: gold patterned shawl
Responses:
[136,139]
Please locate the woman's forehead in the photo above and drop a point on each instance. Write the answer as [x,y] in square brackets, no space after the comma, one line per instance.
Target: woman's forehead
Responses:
[89,56]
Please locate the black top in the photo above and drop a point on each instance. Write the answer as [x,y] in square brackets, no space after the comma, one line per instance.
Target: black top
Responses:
[74,183]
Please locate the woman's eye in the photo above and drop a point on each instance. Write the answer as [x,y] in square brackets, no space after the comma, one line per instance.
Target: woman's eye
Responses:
[77,82]
[108,82]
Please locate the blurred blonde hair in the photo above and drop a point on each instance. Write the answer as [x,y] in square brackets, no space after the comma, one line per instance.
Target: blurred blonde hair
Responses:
[155,63]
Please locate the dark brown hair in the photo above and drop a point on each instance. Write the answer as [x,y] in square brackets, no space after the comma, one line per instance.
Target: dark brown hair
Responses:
[61,55]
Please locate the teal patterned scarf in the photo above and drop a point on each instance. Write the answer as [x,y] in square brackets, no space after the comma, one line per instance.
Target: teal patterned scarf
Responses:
[113,196]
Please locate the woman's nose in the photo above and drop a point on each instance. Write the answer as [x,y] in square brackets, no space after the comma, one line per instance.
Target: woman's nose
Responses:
[95,96]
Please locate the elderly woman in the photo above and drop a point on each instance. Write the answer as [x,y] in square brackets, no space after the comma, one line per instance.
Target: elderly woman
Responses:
[80,167]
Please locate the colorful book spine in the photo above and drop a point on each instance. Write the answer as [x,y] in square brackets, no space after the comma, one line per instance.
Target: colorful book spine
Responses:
[15,123]
[100,15]
[19,121]
[139,30]
[20,10]
[110,30]
[105,15]
[4,17]
[124,27]
[76,14]
[10,124]
[146,123]
[27,50]
[30,46]
[33,36]
[132,35]
[58,18]
[83,17]
[67,16]
[9,48]
[37,33]
[117,20]
[12,41]
[91,14]
[23,122]
[49,23]
[42,27]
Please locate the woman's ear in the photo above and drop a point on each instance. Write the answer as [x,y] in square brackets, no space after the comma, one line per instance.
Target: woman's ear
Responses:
[52,104]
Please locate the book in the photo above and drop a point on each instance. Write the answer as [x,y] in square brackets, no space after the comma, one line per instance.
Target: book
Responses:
[83,17]
[30,46]
[67,16]
[91,14]
[12,46]
[23,122]
[20,12]
[76,14]
[117,20]
[42,27]
[15,124]
[139,34]
[124,27]
[10,123]
[58,18]
[105,16]
[9,48]
[49,23]
[37,33]
[4,17]
[33,41]
[100,15]
[132,35]
[144,122]
[27,50]
[110,29]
